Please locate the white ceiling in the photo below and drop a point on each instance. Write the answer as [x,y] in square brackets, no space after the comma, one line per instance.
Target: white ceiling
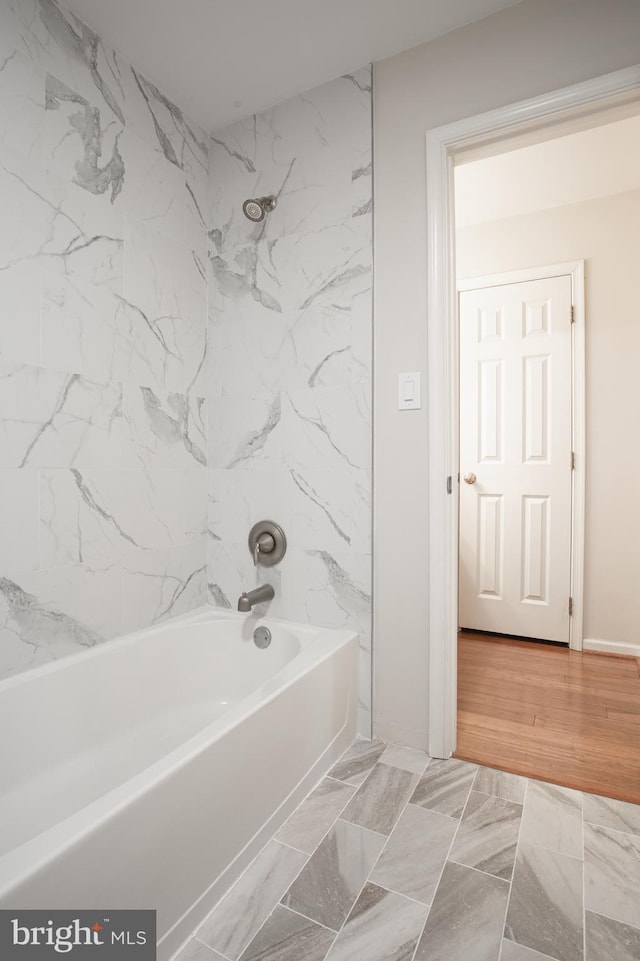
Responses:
[596,162]
[221,60]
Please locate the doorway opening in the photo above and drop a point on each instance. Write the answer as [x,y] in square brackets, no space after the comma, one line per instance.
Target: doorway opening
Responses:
[576,108]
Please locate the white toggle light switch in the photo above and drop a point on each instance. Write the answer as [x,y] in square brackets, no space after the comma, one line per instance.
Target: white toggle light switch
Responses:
[409,390]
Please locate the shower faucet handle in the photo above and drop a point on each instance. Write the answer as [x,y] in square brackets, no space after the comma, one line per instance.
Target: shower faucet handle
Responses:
[267,543]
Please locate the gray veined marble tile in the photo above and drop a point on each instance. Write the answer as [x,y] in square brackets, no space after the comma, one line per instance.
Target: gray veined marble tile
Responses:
[330,882]
[517,952]
[606,939]
[552,818]
[415,853]
[466,918]
[356,763]
[488,834]
[240,914]
[546,908]
[511,787]
[612,873]
[314,816]
[195,950]
[609,813]
[382,926]
[379,801]
[445,786]
[287,936]
[406,758]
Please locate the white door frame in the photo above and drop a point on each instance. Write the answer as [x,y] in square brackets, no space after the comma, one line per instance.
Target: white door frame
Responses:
[443,145]
[575,270]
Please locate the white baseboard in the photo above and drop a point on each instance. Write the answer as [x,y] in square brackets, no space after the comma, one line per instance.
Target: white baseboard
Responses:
[610,647]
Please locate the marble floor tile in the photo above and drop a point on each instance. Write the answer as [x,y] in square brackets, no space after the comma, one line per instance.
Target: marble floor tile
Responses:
[241,913]
[466,919]
[287,936]
[552,818]
[546,908]
[330,882]
[312,819]
[612,874]
[502,784]
[607,939]
[405,757]
[381,926]
[414,855]
[445,786]
[379,801]
[619,815]
[517,952]
[488,835]
[197,951]
[356,763]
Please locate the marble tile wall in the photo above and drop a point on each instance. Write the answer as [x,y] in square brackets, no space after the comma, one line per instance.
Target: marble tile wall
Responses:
[290,326]
[103,305]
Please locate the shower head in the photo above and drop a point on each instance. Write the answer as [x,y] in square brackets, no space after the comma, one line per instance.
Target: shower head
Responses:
[256,208]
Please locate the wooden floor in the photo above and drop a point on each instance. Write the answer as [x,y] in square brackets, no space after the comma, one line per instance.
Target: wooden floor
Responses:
[551,713]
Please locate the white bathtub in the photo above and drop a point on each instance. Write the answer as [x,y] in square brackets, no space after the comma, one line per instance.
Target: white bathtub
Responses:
[149,771]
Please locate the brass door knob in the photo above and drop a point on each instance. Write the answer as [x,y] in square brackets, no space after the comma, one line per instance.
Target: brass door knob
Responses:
[470,478]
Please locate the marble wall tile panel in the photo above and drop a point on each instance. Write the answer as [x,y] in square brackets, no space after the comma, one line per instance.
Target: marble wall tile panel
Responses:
[309,823]
[163,430]
[414,856]
[511,787]
[242,911]
[380,800]
[445,786]
[94,516]
[356,763]
[466,918]
[488,835]
[332,879]
[381,925]
[552,817]
[612,873]
[19,535]
[546,905]
[50,419]
[287,936]
[609,813]
[605,938]
[161,584]
[290,349]
[103,304]
[21,105]
[51,613]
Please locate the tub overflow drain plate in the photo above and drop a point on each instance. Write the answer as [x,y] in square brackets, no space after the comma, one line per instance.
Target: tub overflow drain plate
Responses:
[262,637]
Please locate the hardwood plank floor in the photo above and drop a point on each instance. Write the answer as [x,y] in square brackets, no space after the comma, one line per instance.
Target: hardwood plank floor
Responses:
[550,713]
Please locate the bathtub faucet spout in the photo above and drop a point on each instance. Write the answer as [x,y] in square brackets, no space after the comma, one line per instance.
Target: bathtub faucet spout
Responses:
[263,593]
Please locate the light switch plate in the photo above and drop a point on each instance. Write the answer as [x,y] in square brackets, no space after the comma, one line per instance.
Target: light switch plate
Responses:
[409,390]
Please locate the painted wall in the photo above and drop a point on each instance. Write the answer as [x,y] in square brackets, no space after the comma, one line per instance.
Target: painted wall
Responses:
[290,358]
[534,47]
[606,234]
[103,300]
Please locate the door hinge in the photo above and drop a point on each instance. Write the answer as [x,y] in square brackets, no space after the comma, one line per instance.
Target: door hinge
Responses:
[570,607]
[572,315]
[573,460]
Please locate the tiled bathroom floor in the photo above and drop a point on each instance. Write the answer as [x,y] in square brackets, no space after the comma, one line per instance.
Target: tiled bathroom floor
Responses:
[396,857]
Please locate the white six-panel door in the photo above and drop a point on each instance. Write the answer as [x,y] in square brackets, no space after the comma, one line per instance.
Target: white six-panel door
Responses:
[515,458]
